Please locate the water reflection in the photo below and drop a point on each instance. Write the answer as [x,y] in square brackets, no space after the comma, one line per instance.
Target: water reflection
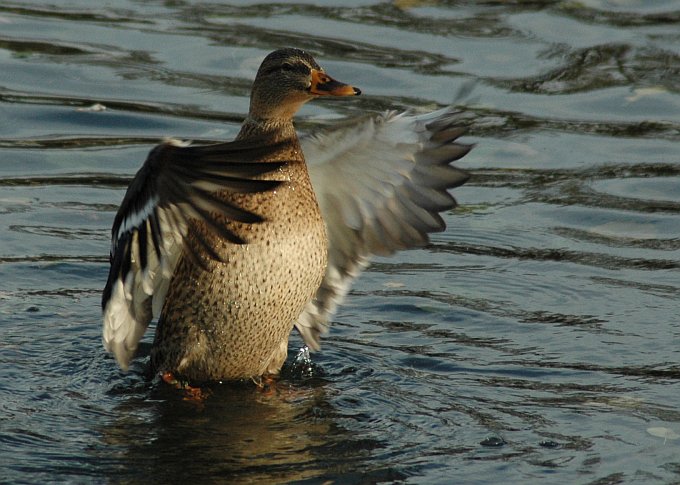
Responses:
[240,433]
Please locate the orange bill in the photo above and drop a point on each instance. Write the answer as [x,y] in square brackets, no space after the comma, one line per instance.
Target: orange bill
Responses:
[324,85]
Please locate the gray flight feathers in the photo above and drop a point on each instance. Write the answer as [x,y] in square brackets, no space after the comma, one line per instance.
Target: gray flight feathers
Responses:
[381,184]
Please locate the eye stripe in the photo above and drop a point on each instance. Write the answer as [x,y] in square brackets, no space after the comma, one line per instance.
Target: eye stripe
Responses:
[299,67]
[286,66]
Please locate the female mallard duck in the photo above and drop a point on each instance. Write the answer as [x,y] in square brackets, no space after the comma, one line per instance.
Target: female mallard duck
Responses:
[231,245]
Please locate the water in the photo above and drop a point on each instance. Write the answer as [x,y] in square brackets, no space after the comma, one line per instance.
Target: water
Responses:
[535,341]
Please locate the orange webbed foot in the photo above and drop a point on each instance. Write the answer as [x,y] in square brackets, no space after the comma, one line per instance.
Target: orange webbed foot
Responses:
[191,393]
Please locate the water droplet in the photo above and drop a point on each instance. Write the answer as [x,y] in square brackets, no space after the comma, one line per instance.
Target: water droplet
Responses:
[302,366]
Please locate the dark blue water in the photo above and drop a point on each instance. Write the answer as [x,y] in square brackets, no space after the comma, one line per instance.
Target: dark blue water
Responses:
[536,340]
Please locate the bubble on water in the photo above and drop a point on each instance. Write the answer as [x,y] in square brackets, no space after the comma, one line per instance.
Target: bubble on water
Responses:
[493,441]
[549,444]
[96,107]
[640,93]
[663,432]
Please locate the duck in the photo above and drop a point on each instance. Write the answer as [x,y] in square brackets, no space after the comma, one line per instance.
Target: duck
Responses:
[230,246]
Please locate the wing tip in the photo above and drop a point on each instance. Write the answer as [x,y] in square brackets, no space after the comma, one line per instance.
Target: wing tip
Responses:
[120,352]
[120,329]
[113,345]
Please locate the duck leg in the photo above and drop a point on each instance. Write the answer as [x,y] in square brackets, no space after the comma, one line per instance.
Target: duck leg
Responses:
[191,393]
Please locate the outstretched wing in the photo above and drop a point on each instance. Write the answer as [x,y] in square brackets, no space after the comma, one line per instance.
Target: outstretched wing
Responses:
[381,184]
[177,183]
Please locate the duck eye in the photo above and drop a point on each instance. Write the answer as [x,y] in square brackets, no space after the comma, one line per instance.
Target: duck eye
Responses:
[295,68]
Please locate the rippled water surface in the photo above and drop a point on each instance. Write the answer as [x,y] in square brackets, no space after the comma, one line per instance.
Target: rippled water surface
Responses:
[536,340]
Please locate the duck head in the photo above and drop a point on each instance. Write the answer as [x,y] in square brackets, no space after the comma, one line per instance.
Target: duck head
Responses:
[288,78]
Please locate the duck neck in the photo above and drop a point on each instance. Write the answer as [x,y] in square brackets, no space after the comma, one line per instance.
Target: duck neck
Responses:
[276,129]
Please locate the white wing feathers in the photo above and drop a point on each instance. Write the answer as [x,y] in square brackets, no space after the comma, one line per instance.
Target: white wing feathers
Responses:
[380,184]
[175,184]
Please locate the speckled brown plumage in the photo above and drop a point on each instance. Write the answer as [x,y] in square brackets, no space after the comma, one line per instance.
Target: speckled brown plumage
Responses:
[233,320]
